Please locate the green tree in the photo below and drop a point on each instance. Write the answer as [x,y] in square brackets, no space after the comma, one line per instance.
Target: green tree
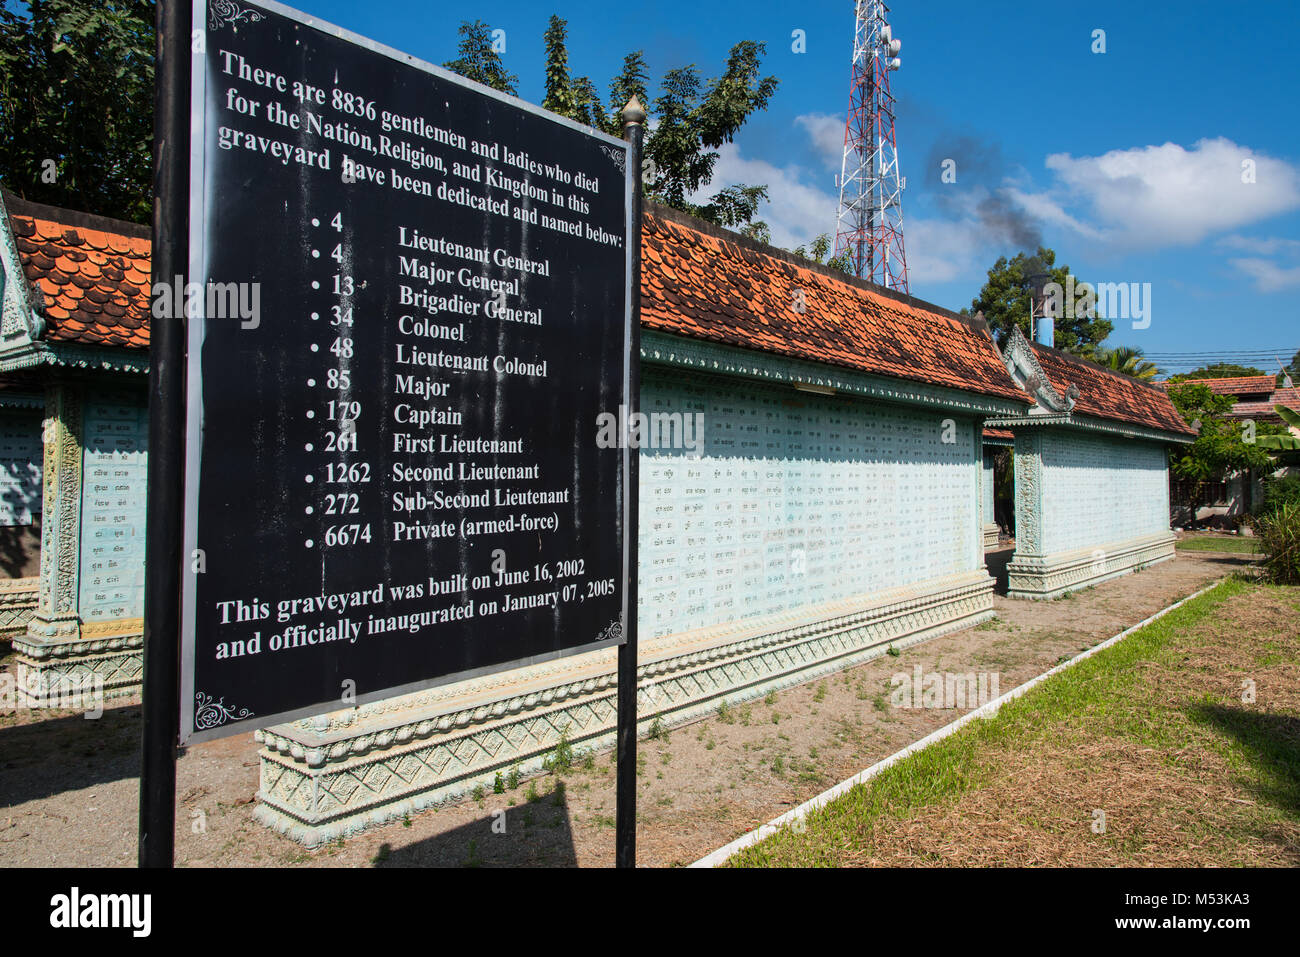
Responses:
[689,119]
[561,96]
[577,97]
[756,230]
[1012,285]
[819,252]
[76,104]
[1218,370]
[1220,447]
[1129,361]
[477,59]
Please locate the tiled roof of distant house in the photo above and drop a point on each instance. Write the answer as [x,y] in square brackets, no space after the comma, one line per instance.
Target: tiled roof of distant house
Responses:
[1290,398]
[1004,434]
[1238,385]
[92,273]
[1106,394]
[700,281]
[1256,395]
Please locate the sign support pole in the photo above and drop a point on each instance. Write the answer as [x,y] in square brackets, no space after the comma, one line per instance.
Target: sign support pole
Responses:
[164,523]
[634,117]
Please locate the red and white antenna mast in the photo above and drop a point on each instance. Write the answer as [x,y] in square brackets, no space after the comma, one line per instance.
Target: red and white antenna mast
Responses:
[869,228]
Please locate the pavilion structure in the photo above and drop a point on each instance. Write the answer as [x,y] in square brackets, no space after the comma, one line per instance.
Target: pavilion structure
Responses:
[1091,471]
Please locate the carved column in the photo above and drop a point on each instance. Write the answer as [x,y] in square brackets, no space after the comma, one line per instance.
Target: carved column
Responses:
[1029,493]
[56,616]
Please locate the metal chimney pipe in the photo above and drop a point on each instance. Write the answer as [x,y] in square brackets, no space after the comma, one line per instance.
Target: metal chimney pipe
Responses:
[1046,331]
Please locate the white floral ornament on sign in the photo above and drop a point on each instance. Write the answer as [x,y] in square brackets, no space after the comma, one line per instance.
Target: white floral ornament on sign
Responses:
[209,713]
[221,12]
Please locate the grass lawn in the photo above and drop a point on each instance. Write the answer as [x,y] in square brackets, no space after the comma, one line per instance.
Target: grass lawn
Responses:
[1152,733]
[1220,543]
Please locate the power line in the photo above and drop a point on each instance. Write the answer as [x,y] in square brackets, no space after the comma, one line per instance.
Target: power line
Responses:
[1223,352]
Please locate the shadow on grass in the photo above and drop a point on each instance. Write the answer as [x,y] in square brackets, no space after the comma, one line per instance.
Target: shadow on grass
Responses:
[1245,562]
[537,833]
[1271,744]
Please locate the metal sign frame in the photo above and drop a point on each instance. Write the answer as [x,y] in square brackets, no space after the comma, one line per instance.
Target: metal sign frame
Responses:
[199,147]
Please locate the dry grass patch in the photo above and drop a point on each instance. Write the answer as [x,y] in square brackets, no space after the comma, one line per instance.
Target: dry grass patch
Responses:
[1153,733]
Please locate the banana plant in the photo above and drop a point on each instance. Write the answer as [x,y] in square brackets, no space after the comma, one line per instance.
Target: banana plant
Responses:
[1282,442]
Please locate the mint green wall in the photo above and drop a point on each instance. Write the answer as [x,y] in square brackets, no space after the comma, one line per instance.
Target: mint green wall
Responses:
[1099,489]
[116,427]
[986,488]
[797,500]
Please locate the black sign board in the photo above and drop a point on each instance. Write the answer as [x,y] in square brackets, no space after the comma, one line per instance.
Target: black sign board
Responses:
[409,319]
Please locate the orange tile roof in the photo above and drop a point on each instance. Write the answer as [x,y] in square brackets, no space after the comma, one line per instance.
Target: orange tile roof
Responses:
[697,281]
[92,273]
[1238,385]
[1107,394]
[1248,385]
[1005,434]
[700,281]
[1290,398]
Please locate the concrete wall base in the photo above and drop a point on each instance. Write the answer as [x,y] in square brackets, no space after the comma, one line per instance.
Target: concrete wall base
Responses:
[1052,575]
[328,777]
[53,671]
[18,599]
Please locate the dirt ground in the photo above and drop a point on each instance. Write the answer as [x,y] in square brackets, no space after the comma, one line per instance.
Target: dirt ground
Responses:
[68,786]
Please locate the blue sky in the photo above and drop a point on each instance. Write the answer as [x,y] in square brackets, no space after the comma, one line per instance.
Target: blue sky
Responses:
[1127,163]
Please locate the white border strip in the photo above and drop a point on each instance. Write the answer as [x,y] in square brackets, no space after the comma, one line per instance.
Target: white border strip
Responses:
[988,709]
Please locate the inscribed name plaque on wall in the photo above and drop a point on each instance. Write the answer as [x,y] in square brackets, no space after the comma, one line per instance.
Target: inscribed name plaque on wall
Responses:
[20,469]
[413,306]
[111,581]
[792,501]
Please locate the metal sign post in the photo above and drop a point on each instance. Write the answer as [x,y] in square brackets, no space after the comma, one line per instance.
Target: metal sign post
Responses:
[625,782]
[160,695]
[401,314]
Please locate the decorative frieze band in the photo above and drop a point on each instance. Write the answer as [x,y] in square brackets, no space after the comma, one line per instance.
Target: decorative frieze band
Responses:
[319,786]
[712,357]
[1052,575]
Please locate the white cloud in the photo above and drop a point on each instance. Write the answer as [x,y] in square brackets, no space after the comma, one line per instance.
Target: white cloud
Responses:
[937,250]
[1167,195]
[1264,247]
[796,212]
[1144,197]
[941,250]
[1268,275]
[1043,209]
[1149,196]
[827,134]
